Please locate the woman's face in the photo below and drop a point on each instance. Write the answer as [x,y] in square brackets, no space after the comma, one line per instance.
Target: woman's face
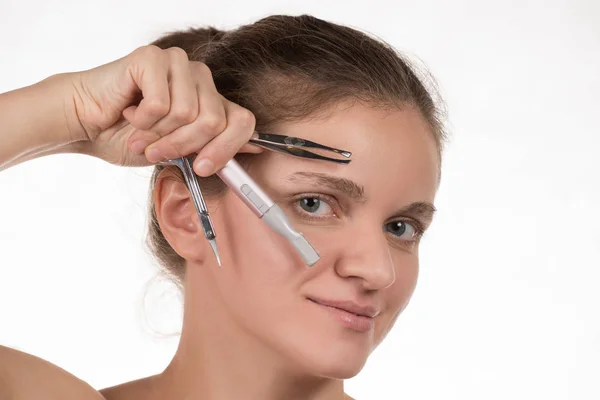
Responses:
[363,218]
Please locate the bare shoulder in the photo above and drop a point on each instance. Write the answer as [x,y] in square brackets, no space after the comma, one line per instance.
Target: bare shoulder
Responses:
[27,377]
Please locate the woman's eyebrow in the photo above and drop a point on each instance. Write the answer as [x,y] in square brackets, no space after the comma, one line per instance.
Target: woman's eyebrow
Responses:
[356,192]
[420,209]
[345,186]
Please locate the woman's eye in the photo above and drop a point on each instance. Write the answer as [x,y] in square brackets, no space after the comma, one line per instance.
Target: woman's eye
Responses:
[313,205]
[402,229]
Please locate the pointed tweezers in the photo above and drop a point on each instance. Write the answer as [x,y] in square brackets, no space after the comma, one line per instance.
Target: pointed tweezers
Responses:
[270,141]
[194,187]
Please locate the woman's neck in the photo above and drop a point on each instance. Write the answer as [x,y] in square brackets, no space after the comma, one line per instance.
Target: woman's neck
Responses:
[237,379]
[208,366]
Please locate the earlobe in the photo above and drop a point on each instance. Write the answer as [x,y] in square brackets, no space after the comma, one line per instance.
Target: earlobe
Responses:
[177,217]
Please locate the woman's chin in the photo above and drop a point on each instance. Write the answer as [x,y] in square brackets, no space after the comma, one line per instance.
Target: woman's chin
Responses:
[344,372]
[332,360]
[340,368]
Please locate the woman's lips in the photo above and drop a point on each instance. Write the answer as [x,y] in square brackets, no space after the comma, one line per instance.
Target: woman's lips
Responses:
[358,323]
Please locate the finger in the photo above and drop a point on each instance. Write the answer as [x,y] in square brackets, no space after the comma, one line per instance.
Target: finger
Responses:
[149,71]
[139,140]
[240,127]
[129,113]
[193,137]
[183,94]
[213,117]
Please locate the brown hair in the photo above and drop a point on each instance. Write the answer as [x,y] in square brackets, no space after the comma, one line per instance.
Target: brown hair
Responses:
[288,68]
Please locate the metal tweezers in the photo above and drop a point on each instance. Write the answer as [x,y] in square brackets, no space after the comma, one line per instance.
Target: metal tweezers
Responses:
[285,144]
[295,147]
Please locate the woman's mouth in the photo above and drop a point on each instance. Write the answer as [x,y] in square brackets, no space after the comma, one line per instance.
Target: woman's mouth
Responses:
[349,314]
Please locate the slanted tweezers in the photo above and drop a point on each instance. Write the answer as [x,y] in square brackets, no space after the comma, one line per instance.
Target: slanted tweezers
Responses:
[296,147]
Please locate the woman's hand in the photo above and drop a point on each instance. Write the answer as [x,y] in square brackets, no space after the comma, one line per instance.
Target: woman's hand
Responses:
[155,104]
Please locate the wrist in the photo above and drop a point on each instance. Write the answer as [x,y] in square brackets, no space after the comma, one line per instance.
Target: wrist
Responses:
[61,88]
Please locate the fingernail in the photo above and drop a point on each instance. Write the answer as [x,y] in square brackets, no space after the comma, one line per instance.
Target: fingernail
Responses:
[139,146]
[204,167]
[154,155]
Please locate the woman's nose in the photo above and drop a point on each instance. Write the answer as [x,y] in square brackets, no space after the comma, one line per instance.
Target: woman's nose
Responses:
[366,256]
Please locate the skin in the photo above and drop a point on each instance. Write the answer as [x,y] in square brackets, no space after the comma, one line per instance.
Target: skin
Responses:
[249,330]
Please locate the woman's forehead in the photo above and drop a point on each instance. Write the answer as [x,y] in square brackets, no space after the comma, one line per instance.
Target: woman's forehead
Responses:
[360,129]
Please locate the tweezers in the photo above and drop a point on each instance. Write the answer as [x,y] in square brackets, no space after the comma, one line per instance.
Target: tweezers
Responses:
[194,187]
[285,144]
[295,146]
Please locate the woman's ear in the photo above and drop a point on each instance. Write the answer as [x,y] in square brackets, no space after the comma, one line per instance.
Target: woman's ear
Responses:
[177,217]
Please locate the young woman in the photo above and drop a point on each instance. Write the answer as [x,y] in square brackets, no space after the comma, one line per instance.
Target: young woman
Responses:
[265,326]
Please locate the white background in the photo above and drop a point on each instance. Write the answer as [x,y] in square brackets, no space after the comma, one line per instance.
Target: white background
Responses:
[507,305]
